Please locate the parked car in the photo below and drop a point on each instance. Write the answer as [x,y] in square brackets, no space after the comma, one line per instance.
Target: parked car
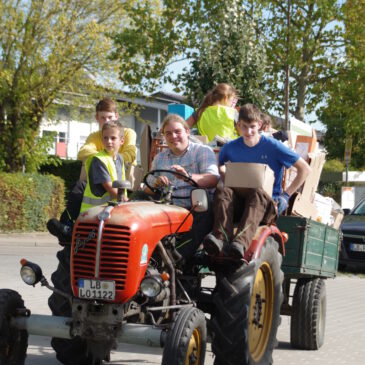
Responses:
[353,241]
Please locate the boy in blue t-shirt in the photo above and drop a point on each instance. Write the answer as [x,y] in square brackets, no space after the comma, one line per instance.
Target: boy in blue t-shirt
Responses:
[257,206]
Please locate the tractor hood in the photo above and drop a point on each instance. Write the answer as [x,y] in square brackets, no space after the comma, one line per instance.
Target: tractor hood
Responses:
[116,242]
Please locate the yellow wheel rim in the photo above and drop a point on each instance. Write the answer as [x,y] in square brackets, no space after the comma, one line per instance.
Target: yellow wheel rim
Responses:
[261,312]
[194,349]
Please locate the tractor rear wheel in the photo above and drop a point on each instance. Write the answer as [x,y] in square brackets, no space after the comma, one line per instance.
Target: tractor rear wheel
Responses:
[74,351]
[186,341]
[247,310]
[13,342]
[308,319]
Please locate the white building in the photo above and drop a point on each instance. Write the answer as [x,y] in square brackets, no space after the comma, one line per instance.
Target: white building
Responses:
[71,132]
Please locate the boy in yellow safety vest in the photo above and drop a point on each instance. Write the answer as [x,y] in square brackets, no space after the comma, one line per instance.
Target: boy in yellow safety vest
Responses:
[104,168]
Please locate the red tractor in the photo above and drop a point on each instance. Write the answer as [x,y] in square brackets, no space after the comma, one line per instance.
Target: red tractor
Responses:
[120,280]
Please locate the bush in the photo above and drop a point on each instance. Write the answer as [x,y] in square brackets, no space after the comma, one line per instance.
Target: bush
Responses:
[27,201]
[68,170]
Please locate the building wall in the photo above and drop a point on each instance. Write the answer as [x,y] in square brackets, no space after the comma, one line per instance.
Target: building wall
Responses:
[71,133]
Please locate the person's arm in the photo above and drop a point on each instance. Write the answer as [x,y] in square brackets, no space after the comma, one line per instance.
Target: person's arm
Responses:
[222,171]
[205,180]
[108,187]
[128,149]
[191,121]
[92,146]
[303,170]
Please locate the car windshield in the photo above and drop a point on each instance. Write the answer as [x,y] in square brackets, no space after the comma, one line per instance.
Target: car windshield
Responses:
[360,209]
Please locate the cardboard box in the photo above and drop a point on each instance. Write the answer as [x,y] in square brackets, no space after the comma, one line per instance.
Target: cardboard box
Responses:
[305,145]
[242,175]
[324,207]
[302,207]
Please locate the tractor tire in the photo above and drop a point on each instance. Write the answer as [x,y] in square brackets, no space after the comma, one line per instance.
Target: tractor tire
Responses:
[247,310]
[13,342]
[74,351]
[308,319]
[186,342]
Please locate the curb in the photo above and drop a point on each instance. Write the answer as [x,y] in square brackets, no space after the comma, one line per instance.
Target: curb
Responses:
[30,239]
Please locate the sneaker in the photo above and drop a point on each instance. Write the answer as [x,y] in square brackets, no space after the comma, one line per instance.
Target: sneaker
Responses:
[236,250]
[61,231]
[212,245]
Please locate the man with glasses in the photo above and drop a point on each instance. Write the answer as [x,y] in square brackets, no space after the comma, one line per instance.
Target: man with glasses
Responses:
[192,160]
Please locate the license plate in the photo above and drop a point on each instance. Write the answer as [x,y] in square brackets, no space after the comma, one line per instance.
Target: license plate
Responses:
[96,289]
[357,247]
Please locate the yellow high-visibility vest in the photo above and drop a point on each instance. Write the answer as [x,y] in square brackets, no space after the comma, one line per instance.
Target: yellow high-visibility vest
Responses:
[217,120]
[89,199]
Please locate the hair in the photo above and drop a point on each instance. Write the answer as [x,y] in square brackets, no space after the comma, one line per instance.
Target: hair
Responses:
[173,118]
[113,124]
[217,94]
[106,105]
[249,113]
[266,120]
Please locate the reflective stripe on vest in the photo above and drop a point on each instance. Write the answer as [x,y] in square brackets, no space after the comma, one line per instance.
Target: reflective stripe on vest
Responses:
[89,199]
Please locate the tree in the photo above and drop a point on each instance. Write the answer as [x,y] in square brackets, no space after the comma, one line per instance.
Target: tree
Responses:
[215,36]
[344,113]
[227,50]
[312,54]
[47,47]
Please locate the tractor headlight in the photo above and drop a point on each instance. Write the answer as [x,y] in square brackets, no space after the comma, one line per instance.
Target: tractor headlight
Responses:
[151,286]
[30,272]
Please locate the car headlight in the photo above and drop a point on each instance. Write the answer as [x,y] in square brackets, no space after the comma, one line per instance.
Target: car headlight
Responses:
[151,286]
[30,272]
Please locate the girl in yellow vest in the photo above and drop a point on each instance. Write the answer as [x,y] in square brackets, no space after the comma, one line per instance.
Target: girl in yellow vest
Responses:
[104,168]
[216,115]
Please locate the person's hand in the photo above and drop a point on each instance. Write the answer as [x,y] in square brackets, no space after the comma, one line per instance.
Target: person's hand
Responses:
[161,181]
[283,201]
[181,170]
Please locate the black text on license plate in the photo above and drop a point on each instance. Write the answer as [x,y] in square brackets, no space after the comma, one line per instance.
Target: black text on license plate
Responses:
[357,247]
[96,289]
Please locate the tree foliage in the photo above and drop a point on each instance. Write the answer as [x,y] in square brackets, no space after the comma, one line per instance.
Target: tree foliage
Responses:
[344,113]
[216,38]
[313,52]
[47,47]
[227,50]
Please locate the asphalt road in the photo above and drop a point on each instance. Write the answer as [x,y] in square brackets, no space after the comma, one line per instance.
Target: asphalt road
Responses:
[345,321]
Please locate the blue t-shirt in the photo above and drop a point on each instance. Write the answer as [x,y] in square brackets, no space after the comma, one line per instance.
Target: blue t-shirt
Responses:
[268,151]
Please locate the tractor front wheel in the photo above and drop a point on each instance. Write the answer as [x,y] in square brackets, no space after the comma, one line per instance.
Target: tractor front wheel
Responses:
[13,342]
[186,341]
[74,351]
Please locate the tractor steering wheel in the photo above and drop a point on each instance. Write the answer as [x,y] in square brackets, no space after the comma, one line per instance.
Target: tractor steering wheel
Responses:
[162,190]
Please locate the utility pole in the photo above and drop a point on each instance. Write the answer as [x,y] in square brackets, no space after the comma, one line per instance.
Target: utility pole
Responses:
[287,71]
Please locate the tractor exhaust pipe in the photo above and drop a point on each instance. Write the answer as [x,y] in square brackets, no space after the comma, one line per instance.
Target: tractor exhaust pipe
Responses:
[53,326]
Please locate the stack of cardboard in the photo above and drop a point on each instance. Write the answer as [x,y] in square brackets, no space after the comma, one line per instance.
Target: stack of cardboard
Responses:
[307,202]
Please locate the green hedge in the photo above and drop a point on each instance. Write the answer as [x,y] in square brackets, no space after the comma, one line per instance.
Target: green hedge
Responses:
[27,201]
[68,170]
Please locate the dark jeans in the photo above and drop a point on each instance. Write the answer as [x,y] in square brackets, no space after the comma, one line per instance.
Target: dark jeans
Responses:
[254,208]
[74,200]
[190,241]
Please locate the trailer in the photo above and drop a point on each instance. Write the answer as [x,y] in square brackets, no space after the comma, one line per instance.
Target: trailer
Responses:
[311,256]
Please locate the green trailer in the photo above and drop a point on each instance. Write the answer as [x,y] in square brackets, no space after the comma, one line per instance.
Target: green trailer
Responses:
[311,256]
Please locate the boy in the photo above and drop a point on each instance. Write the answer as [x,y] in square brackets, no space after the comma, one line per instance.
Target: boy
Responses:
[257,206]
[102,169]
[106,110]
